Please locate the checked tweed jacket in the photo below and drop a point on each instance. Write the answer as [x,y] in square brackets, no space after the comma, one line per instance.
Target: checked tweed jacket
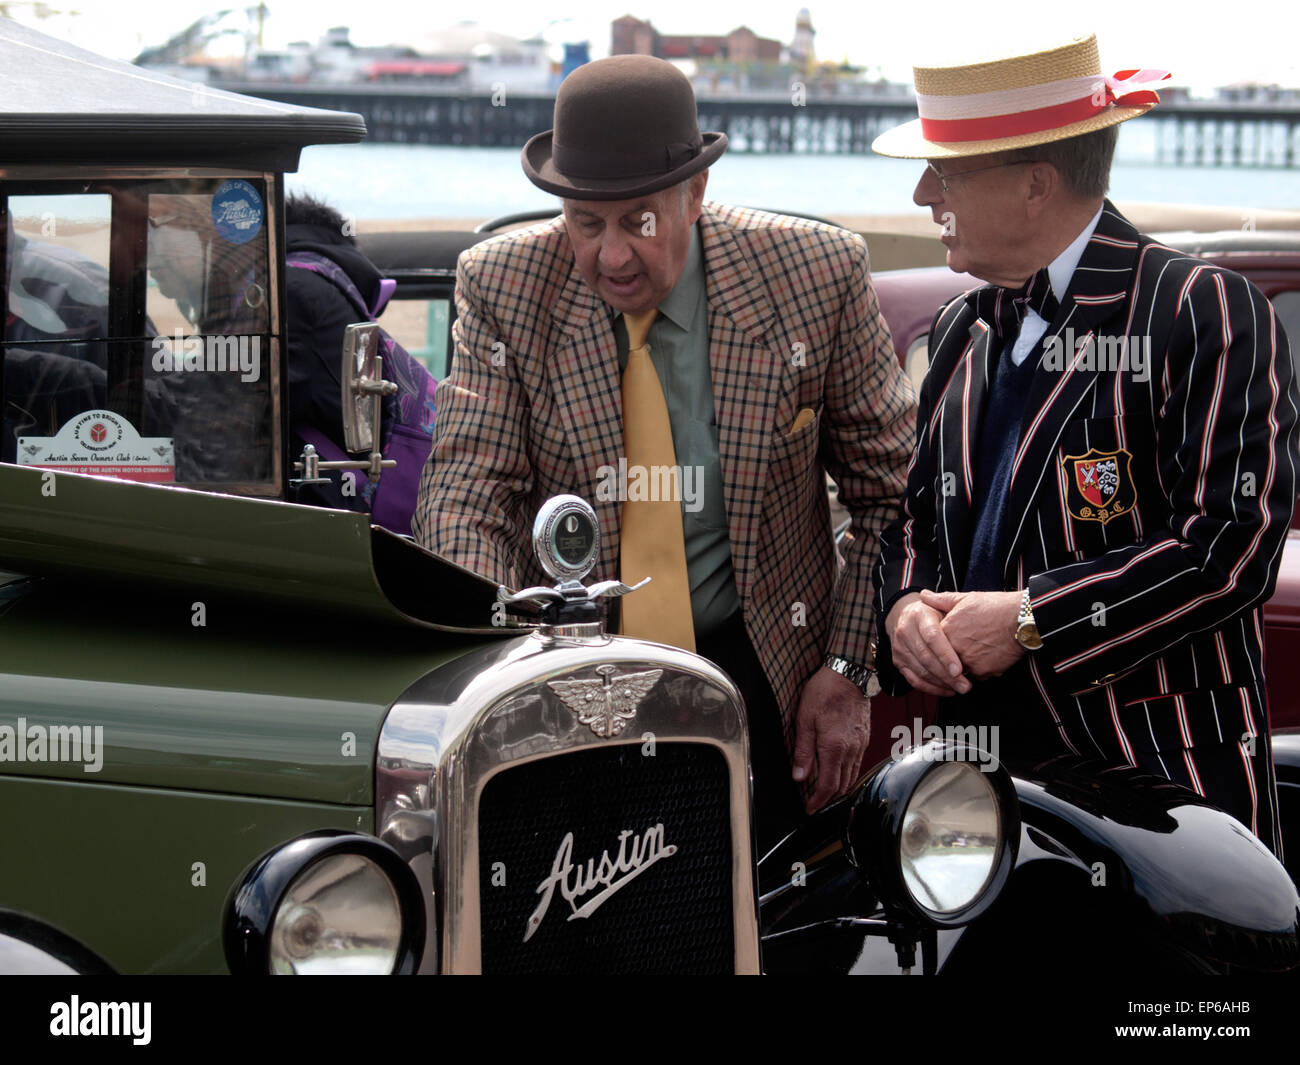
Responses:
[532,408]
[1151,619]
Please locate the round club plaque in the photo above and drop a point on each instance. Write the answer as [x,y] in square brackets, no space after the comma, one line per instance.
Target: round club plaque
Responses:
[566,537]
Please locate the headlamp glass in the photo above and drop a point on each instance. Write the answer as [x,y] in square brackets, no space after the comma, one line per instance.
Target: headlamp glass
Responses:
[340,915]
[951,838]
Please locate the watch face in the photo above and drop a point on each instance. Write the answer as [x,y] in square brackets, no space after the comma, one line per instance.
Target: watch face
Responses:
[1027,636]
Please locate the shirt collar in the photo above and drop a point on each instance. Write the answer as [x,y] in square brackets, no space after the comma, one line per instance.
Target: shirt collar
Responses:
[683,302]
[1063,266]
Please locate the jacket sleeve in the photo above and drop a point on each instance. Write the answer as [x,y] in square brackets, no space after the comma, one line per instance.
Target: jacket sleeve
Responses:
[909,557]
[1226,452]
[866,439]
[470,507]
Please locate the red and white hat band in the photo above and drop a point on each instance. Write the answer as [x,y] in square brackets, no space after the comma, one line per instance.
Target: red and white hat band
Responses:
[1033,108]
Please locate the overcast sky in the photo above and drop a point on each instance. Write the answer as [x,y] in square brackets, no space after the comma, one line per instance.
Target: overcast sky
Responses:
[1244,40]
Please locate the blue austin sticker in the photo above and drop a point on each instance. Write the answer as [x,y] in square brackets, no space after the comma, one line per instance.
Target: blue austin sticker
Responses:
[237,211]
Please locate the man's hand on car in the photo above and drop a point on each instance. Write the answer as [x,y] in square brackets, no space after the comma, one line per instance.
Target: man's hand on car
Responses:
[833,726]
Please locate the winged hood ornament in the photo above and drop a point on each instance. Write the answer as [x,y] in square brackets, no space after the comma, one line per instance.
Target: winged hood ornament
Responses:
[605,704]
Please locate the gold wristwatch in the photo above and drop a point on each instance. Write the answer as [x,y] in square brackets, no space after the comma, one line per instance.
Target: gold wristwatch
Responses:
[1026,628]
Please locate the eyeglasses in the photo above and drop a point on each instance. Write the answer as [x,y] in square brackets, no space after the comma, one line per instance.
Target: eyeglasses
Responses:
[943,179]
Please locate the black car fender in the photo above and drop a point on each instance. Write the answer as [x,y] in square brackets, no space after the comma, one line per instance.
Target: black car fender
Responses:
[1115,868]
[1120,866]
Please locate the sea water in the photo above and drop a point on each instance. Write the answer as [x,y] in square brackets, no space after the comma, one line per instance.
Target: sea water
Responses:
[396,181]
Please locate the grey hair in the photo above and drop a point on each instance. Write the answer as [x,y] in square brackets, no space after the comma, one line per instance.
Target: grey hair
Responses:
[1083,161]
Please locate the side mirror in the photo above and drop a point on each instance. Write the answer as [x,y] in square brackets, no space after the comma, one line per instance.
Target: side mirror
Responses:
[361,377]
[361,369]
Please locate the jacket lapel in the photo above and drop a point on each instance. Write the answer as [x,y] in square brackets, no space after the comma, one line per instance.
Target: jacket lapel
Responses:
[746,373]
[583,367]
[960,423]
[1094,305]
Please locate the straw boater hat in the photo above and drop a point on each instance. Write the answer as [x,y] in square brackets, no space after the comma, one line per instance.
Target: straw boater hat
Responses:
[1017,102]
[624,126]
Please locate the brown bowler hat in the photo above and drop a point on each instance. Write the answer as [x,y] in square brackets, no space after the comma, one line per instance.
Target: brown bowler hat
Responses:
[624,126]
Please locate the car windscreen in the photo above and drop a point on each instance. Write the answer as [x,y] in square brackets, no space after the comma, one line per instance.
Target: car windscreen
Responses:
[139,337]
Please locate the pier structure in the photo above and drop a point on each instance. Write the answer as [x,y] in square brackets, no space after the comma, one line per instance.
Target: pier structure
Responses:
[1209,134]
[1187,133]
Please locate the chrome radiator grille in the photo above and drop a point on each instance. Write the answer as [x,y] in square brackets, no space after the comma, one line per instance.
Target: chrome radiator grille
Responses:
[618,895]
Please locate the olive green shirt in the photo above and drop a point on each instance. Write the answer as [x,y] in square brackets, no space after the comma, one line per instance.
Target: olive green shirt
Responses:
[679,349]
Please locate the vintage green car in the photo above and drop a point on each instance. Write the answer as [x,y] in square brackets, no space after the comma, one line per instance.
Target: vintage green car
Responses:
[240,734]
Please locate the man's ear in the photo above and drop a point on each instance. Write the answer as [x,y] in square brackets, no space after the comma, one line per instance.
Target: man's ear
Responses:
[1044,184]
[695,196]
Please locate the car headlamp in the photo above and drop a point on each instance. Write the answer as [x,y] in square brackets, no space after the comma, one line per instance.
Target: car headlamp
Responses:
[340,914]
[326,903]
[937,833]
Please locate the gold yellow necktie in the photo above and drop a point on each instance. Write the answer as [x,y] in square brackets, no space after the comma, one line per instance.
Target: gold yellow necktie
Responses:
[653,544]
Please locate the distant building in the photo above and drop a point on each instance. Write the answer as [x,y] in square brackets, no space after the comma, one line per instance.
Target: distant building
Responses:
[293,64]
[336,58]
[634,36]
[802,52]
[1255,92]
[464,57]
[491,58]
[743,63]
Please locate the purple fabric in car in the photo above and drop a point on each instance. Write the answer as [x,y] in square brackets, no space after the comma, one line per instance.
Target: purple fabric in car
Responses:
[409,438]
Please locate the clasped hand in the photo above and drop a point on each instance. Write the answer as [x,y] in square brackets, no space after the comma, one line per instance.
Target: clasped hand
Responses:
[942,639]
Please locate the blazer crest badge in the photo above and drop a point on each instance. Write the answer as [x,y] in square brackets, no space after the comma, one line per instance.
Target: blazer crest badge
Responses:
[1099,485]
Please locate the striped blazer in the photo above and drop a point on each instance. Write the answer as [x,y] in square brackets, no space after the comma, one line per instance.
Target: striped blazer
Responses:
[1150,497]
[532,408]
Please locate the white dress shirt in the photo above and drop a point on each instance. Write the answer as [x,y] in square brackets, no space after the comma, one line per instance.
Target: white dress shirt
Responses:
[1060,271]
